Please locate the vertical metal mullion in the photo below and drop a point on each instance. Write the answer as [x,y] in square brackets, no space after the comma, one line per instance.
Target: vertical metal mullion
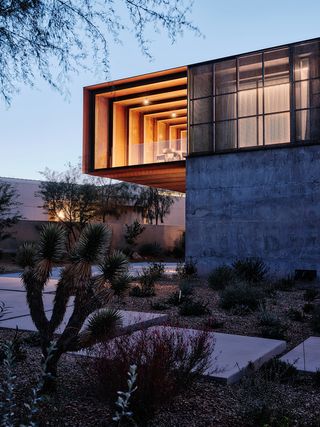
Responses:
[263,117]
[213,97]
[292,97]
[237,100]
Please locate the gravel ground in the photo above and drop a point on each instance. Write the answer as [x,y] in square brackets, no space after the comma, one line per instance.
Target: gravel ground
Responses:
[206,403]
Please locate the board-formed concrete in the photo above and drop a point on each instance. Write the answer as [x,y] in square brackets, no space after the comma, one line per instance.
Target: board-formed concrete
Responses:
[231,354]
[263,203]
[306,356]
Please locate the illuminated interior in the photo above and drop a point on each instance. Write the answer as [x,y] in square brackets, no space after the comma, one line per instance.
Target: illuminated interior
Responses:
[147,123]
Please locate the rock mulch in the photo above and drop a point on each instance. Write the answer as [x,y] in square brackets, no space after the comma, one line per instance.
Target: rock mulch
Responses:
[206,403]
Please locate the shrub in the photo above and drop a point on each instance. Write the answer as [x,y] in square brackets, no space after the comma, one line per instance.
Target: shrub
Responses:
[316,378]
[213,323]
[308,308]
[275,331]
[279,371]
[167,361]
[186,287]
[194,308]
[132,232]
[221,277]
[159,306]
[251,270]
[295,315]
[310,294]
[316,319]
[240,294]
[187,269]
[157,269]
[267,318]
[150,250]
[178,250]
[285,284]
[177,298]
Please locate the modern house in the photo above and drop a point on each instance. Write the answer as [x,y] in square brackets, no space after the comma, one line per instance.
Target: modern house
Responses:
[240,135]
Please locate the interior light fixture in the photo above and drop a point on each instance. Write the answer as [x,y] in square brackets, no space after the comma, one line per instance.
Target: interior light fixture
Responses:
[146,102]
[173,115]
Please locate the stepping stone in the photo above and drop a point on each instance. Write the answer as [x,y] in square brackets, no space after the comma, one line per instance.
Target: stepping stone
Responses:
[16,304]
[15,284]
[306,356]
[130,319]
[232,354]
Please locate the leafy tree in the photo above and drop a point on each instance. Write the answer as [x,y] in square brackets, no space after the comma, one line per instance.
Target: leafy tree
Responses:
[9,213]
[91,293]
[153,204]
[133,231]
[54,38]
[69,198]
[75,199]
[112,199]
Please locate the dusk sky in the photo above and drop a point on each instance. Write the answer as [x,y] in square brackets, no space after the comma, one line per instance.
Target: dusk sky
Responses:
[41,129]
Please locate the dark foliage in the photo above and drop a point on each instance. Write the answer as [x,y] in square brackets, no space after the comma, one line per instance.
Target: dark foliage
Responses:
[213,323]
[310,294]
[9,207]
[150,250]
[53,39]
[132,232]
[221,277]
[285,284]
[308,308]
[159,306]
[316,319]
[188,269]
[153,204]
[241,294]
[178,250]
[295,315]
[166,360]
[193,308]
[251,270]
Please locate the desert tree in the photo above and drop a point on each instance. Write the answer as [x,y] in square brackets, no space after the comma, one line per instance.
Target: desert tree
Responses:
[9,208]
[153,204]
[90,320]
[52,39]
[70,198]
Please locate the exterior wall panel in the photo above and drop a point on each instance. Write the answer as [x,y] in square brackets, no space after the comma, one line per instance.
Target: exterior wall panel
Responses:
[263,203]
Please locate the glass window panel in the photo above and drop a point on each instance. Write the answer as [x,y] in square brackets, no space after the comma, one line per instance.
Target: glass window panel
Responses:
[307,61]
[201,81]
[276,98]
[276,67]
[226,135]
[315,124]
[302,91]
[202,110]
[303,125]
[307,94]
[250,102]
[201,138]
[225,107]
[277,128]
[225,77]
[247,132]
[250,71]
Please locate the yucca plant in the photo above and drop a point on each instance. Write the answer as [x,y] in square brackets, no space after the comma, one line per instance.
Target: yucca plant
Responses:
[91,293]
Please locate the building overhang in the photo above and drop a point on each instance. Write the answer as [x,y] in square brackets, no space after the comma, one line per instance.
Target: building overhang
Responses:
[135,129]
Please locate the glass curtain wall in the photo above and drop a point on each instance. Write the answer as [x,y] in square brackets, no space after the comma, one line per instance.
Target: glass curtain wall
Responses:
[257,99]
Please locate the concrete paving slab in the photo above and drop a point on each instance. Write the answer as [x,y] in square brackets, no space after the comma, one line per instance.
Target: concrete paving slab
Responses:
[16,304]
[306,356]
[15,284]
[231,353]
[129,318]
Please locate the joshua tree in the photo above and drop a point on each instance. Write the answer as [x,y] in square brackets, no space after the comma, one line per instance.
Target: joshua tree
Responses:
[91,293]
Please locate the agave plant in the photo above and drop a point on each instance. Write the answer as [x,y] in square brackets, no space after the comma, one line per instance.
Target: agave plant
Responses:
[91,293]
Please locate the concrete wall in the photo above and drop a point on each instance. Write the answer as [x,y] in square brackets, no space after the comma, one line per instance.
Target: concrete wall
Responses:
[164,235]
[262,203]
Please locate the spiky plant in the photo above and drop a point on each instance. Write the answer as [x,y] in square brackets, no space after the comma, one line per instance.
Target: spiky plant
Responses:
[91,293]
